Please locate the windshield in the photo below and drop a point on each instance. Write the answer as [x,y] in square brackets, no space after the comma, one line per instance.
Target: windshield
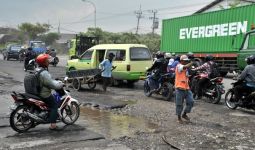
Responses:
[140,53]
[38,45]
[15,48]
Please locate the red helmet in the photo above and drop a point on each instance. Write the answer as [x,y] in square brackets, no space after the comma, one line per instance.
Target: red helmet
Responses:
[40,59]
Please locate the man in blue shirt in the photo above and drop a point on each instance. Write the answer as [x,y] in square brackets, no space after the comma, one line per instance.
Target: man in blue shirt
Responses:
[106,67]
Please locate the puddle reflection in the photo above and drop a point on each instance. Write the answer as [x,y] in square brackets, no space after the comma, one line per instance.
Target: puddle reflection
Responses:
[112,125]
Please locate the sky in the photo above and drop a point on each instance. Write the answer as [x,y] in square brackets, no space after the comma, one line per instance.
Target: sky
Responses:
[74,16]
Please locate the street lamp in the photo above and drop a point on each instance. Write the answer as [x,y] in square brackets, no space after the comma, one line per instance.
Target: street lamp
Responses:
[93,4]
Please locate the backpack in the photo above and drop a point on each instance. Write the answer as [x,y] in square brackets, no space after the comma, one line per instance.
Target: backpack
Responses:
[214,70]
[32,83]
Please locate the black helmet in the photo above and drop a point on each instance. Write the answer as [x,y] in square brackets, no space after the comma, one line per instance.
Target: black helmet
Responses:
[177,58]
[208,57]
[190,55]
[30,49]
[250,59]
[159,55]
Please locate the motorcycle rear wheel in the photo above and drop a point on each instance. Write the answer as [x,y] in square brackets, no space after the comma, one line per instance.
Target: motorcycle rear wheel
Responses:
[229,100]
[215,99]
[70,114]
[19,121]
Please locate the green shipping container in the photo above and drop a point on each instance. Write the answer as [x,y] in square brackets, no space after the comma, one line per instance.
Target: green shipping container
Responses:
[211,32]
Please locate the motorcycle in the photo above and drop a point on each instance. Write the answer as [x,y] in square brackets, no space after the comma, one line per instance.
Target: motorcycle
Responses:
[31,65]
[163,86]
[54,61]
[247,100]
[29,110]
[212,91]
[22,56]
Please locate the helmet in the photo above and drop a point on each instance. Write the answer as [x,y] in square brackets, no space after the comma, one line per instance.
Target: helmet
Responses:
[40,59]
[30,49]
[159,55]
[190,55]
[177,58]
[208,57]
[250,59]
[168,55]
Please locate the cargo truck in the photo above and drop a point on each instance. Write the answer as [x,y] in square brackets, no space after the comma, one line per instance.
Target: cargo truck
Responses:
[80,44]
[228,35]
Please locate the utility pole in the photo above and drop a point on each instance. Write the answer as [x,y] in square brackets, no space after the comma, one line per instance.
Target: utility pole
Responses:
[139,16]
[59,27]
[154,20]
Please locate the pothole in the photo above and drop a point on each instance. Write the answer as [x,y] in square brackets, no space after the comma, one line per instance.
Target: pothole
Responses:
[114,125]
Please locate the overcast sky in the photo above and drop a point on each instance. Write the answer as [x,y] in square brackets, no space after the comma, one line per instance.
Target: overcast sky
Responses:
[77,15]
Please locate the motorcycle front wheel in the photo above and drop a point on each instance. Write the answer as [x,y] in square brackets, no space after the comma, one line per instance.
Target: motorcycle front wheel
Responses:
[71,113]
[146,89]
[229,100]
[19,121]
[167,91]
[216,95]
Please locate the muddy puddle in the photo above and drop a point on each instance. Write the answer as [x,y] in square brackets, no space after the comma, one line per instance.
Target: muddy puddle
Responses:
[112,125]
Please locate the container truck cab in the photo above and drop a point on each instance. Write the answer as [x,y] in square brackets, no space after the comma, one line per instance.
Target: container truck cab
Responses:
[247,48]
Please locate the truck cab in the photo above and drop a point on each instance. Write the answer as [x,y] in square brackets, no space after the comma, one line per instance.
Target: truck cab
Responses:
[80,44]
[247,48]
[38,46]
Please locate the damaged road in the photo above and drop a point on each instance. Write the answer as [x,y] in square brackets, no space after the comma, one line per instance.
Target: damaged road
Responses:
[123,118]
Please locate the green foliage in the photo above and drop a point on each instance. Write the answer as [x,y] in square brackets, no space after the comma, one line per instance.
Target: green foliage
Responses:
[49,38]
[33,30]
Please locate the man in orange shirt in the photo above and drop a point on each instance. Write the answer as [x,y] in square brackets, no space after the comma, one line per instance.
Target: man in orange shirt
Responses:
[182,89]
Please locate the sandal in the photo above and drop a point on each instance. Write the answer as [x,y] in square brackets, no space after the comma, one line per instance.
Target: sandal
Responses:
[55,129]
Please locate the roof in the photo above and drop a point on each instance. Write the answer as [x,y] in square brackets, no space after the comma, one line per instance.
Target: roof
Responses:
[116,46]
[217,2]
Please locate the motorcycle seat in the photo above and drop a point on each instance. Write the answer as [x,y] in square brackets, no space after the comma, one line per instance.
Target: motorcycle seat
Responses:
[31,96]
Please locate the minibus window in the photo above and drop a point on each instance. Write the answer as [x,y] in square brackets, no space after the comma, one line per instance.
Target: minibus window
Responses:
[120,55]
[139,53]
[87,55]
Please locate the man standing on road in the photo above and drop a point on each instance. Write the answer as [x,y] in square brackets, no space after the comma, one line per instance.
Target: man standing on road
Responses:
[106,67]
[182,89]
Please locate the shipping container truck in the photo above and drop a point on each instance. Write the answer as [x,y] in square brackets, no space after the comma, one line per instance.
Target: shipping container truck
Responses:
[228,35]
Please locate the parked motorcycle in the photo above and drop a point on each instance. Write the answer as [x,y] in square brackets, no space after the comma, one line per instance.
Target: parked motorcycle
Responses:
[29,110]
[31,65]
[212,91]
[163,86]
[247,100]
[54,61]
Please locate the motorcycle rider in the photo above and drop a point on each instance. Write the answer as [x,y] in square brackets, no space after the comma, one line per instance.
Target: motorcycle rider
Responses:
[47,84]
[28,56]
[159,67]
[202,83]
[247,78]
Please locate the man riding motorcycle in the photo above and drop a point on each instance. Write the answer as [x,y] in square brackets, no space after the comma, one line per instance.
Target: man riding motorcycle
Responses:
[47,84]
[159,67]
[247,78]
[202,83]
[28,56]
